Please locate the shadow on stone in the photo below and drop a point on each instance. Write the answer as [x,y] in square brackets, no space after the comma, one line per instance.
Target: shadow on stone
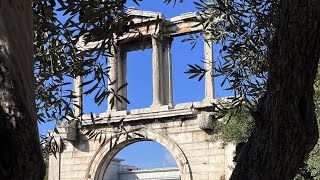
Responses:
[82,143]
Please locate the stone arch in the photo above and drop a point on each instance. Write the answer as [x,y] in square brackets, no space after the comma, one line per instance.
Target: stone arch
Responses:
[104,154]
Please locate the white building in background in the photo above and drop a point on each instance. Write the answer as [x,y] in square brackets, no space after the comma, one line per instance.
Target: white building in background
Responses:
[118,171]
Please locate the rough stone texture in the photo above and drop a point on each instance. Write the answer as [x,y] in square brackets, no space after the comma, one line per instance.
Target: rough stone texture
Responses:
[205,121]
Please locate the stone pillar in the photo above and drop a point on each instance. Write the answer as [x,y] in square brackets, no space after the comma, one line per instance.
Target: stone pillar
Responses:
[167,74]
[170,101]
[113,79]
[156,74]
[122,76]
[78,101]
[208,65]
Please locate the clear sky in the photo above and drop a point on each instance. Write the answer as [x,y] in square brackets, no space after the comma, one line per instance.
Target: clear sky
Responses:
[139,65]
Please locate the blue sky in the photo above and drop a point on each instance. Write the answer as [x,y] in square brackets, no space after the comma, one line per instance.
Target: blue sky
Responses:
[139,77]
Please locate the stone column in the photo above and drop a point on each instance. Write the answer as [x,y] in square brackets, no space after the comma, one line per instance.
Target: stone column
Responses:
[167,78]
[156,74]
[170,101]
[78,101]
[122,72]
[208,65]
[113,80]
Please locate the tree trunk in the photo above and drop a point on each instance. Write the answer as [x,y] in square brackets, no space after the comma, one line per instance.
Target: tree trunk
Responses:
[20,153]
[286,128]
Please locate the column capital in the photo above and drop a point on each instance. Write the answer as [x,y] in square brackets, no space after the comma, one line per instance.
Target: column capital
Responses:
[208,36]
[157,36]
[167,41]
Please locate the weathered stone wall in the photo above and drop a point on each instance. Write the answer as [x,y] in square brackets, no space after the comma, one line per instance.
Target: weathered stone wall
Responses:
[198,155]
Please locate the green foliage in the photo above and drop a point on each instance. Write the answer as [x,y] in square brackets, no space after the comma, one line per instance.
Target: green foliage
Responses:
[236,128]
[311,167]
[304,173]
[313,161]
[60,55]
[243,29]
[237,125]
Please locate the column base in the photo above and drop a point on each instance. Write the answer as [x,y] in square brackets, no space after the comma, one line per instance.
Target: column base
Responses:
[115,113]
[155,104]
[158,108]
[208,100]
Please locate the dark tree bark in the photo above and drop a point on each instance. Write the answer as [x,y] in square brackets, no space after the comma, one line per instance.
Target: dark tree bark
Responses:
[20,153]
[286,128]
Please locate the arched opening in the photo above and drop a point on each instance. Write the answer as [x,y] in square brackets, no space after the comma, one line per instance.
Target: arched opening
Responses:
[106,153]
[142,160]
